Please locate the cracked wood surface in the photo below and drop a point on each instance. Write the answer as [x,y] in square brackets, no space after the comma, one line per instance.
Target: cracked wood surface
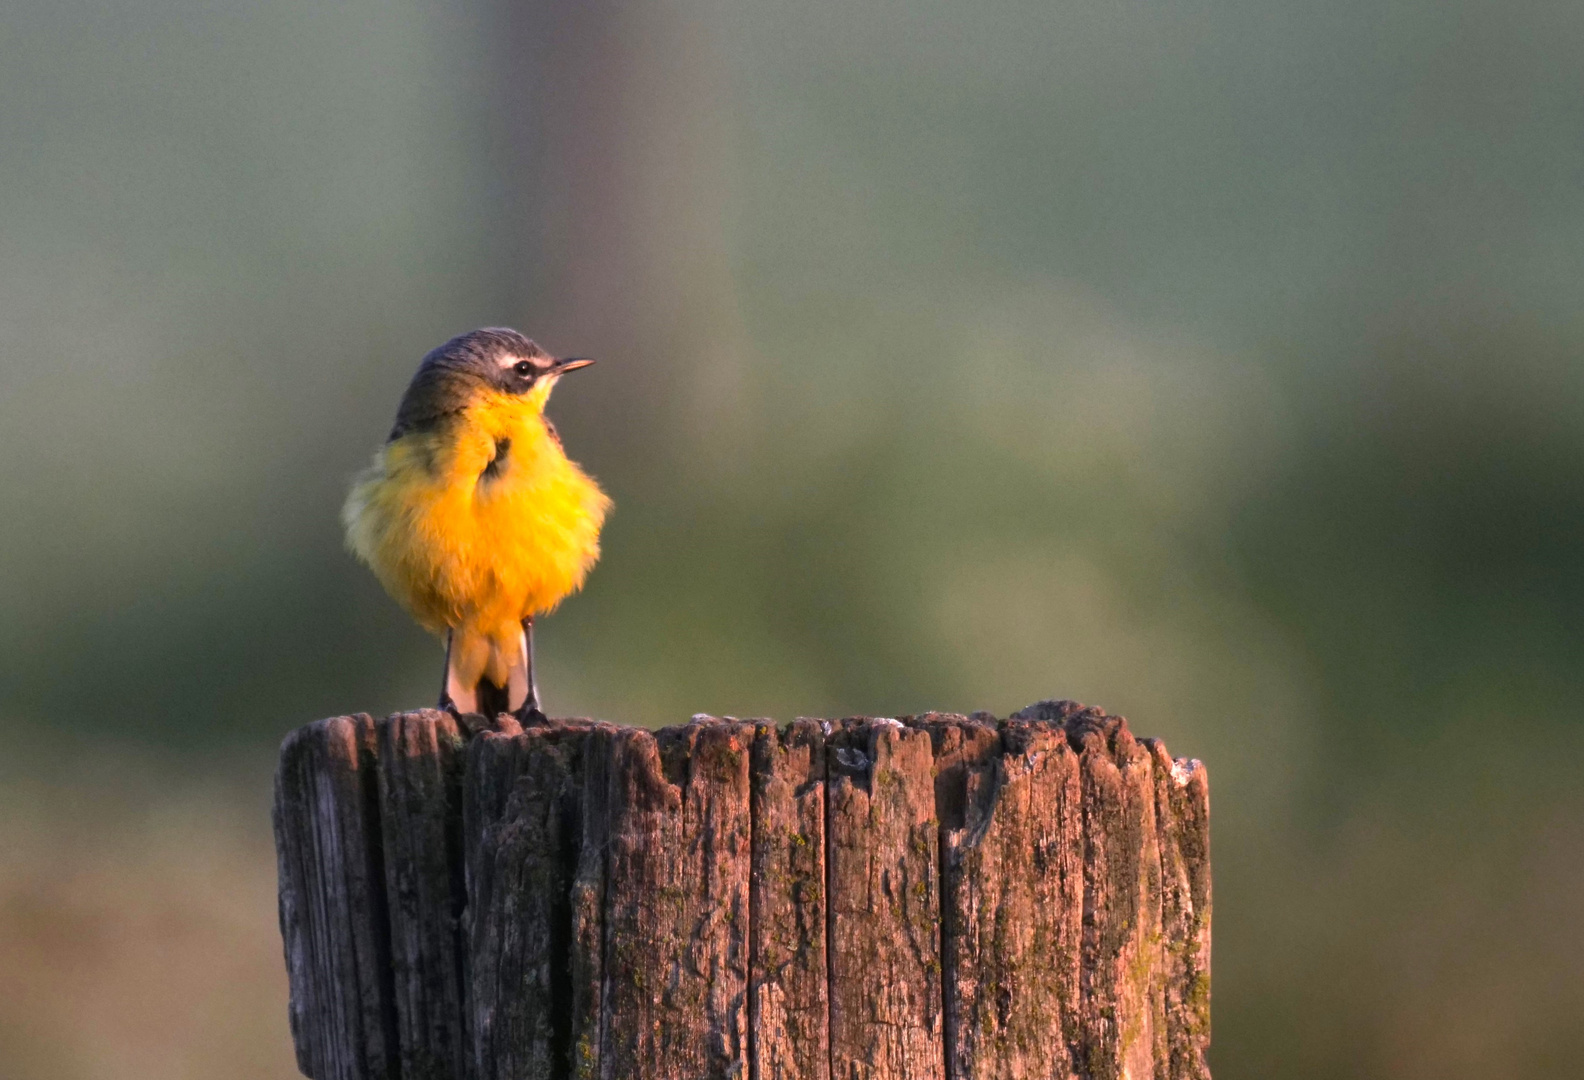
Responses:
[522,821]
[1013,919]
[788,1007]
[676,908]
[936,898]
[882,846]
[419,765]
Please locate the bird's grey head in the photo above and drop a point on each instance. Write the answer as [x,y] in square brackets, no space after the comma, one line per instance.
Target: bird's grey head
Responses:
[494,358]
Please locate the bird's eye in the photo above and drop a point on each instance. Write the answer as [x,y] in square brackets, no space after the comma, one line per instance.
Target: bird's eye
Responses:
[523,368]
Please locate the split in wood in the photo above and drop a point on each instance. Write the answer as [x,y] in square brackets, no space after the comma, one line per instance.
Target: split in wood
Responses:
[940,898]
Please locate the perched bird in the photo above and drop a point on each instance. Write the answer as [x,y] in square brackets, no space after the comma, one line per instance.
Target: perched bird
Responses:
[473,517]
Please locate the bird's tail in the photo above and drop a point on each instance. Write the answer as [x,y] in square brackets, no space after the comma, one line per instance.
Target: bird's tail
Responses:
[487,673]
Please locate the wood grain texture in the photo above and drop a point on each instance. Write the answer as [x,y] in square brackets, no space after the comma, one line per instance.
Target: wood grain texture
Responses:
[1182,818]
[941,898]
[419,763]
[586,959]
[882,843]
[676,904]
[332,901]
[788,1007]
[1121,1007]
[522,820]
[1013,908]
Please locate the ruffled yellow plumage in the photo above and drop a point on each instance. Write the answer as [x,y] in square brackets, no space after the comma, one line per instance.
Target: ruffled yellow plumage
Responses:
[478,523]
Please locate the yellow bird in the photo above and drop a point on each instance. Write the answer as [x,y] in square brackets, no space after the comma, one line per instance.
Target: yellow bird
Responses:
[473,517]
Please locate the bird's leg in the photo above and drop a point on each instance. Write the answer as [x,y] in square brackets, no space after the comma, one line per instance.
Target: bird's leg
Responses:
[445,677]
[530,706]
[454,697]
[517,678]
[533,678]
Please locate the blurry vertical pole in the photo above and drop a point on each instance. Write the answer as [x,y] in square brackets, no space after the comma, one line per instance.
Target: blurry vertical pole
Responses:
[617,187]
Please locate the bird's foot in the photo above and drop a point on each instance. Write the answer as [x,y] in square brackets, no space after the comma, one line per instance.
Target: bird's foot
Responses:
[470,722]
[529,714]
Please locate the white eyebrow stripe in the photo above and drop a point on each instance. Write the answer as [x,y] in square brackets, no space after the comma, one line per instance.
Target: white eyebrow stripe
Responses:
[542,363]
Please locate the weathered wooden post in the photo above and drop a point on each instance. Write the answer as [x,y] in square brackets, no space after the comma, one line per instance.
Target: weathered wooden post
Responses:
[936,898]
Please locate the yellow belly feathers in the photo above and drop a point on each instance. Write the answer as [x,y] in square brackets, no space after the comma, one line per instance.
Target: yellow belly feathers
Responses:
[478,524]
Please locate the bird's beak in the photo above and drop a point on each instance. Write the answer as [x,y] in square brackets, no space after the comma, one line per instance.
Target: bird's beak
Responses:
[571,363]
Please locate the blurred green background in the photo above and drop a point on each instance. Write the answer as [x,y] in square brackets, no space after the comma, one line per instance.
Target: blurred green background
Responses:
[1218,363]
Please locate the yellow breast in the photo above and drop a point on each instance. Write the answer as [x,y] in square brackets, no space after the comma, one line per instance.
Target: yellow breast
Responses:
[479,523]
